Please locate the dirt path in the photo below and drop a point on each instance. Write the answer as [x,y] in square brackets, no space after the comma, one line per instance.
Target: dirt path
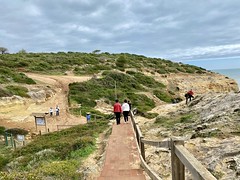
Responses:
[18,114]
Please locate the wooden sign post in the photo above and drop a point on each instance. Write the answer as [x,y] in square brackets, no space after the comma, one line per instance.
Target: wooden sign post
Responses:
[40,120]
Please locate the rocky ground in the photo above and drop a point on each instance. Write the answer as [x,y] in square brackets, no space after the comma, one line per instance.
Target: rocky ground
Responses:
[50,91]
[212,136]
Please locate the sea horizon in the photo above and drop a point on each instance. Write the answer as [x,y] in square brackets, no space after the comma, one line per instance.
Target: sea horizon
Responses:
[233,73]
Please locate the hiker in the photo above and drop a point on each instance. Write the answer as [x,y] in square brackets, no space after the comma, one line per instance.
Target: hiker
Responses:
[51,111]
[125,110]
[130,107]
[189,95]
[57,110]
[117,109]
[88,116]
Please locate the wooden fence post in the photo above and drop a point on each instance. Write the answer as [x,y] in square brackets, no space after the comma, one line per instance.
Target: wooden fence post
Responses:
[178,168]
[142,147]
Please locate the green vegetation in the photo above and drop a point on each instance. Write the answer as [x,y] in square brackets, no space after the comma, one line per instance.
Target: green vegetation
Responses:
[4,93]
[127,86]
[2,130]
[8,75]
[16,131]
[90,63]
[164,96]
[13,67]
[59,155]
[169,122]
[147,81]
[53,155]
[17,90]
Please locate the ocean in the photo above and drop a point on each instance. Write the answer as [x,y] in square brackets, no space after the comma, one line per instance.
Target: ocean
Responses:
[231,73]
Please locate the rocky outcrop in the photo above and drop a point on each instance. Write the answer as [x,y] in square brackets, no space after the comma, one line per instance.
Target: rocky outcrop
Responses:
[212,136]
[200,83]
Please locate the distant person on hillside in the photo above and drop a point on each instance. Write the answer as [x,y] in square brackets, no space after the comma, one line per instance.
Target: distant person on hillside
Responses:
[117,109]
[88,116]
[189,95]
[57,110]
[51,111]
[125,110]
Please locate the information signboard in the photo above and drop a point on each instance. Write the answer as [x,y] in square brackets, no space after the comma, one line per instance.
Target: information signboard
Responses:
[40,121]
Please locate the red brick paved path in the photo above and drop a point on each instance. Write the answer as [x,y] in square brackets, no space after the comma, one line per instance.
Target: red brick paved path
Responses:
[122,159]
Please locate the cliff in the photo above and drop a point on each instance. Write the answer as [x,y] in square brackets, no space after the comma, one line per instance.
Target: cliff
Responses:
[210,126]
[200,83]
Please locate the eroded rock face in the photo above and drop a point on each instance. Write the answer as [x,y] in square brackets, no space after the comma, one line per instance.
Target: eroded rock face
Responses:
[36,94]
[213,135]
[200,83]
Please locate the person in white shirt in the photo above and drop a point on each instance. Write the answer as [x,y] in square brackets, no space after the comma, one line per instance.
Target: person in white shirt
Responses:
[57,110]
[125,109]
[51,111]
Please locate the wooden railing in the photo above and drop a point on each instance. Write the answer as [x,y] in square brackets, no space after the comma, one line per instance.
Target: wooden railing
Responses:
[180,157]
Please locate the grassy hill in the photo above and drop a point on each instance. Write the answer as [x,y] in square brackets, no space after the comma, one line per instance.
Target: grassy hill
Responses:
[56,155]
[126,71]
[60,154]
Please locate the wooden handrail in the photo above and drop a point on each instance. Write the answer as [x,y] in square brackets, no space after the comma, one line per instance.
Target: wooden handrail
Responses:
[152,174]
[197,170]
[162,144]
[180,157]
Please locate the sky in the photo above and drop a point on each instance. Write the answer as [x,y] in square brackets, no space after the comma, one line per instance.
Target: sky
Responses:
[205,33]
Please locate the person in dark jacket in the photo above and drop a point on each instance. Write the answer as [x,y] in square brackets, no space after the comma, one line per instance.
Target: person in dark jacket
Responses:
[117,109]
[189,95]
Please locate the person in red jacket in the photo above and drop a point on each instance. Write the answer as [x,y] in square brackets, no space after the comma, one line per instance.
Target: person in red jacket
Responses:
[189,95]
[117,109]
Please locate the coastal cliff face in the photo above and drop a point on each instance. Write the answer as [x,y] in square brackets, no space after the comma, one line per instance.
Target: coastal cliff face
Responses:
[199,83]
[210,127]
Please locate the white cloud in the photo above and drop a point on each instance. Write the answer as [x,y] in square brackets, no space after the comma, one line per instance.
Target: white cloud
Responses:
[158,28]
[209,51]
[32,10]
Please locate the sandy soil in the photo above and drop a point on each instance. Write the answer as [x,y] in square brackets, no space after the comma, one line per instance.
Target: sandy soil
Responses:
[19,115]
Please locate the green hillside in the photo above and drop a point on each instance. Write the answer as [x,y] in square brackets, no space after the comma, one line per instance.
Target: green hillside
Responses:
[60,154]
[90,63]
[127,71]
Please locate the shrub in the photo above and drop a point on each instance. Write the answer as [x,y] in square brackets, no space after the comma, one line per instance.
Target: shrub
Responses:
[16,131]
[18,90]
[150,115]
[3,162]
[4,93]
[164,96]
[2,130]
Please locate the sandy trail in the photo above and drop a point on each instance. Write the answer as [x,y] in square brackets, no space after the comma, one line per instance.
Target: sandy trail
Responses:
[20,114]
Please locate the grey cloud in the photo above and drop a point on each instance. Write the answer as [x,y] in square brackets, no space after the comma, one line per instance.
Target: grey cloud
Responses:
[159,28]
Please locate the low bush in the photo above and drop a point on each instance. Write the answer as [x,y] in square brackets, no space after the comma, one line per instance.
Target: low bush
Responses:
[16,131]
[164,96]
[4,93]
[17,90]
[2,130]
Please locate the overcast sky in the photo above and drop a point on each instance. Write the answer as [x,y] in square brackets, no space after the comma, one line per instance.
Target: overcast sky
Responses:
[190,31]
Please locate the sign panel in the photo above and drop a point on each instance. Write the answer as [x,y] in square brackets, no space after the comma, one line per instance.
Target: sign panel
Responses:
[20,137]
[40,121]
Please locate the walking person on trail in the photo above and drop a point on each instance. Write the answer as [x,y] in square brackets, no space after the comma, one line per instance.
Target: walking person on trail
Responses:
[57,110]
[117,109]
[189,95]
[130,107]
[51,111]
[125,109]
[88,116]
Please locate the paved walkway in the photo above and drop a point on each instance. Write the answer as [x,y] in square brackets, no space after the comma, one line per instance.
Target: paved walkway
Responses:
[122,159]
